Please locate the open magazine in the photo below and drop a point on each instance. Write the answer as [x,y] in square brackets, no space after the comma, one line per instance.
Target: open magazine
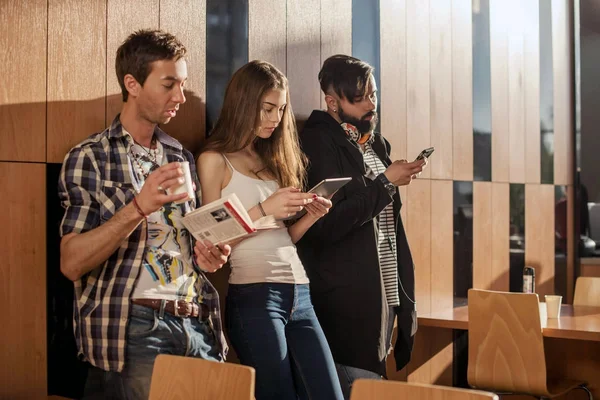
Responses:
[225,220]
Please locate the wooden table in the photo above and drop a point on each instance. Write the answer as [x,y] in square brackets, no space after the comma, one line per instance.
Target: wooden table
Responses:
[571,342]
[575,322]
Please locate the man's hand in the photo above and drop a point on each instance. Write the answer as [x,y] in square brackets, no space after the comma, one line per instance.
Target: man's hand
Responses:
[210,257]
[153,195]
[401,173]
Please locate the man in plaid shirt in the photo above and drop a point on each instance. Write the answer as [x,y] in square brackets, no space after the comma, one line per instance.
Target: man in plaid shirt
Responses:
[140,288]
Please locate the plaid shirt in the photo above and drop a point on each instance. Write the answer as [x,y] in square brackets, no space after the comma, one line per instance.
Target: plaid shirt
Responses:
[95,182]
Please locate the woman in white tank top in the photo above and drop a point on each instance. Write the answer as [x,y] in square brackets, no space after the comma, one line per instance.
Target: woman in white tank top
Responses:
[253,151]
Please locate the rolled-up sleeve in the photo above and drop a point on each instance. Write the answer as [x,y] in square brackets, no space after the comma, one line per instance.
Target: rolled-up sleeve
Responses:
[77,187]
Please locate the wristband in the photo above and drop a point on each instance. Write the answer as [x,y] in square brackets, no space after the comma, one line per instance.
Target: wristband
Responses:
[262,210]
[138,208]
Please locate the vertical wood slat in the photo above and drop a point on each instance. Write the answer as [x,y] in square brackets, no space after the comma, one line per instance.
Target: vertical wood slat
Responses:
[500,224]
[462,90]
[304,56]
[419,238]
[532,91]
[539,235]
[76,95]
[186,19]
[482,235]
[499,23]
[417,79]
[23,373]
[267,32]
[123,18]
[441,88]
[516,92]
[571,242]
[23,39]
[562,62]
[336,31]
[442,245]
[393,75]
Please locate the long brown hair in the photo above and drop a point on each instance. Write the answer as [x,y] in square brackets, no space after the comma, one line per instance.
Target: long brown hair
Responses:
[241,116]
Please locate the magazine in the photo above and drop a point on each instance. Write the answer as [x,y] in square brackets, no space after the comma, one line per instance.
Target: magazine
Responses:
[224,220]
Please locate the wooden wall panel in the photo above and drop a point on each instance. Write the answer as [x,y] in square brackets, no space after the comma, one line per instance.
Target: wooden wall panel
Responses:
[419,238]
[482,235]
[393,75]
[462,90]
[23,280]
[123,18]
[499,23]
[23,38]
[186,19]
[336,31]
[562,63]
[417,79]
[441,88]
[532,91]
[516,92]
[442,245]
[267,32]
[76,95]
[539,235]
[500,271]
[304,54]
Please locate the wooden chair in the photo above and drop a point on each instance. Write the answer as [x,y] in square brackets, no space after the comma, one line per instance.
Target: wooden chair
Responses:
[587,291]
[506,346]
[370,389]
[185,378]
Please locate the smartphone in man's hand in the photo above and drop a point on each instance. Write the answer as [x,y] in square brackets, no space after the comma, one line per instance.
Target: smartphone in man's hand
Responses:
[425,153]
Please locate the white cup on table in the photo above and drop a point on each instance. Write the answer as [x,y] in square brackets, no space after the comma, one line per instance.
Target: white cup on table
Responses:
[553,303]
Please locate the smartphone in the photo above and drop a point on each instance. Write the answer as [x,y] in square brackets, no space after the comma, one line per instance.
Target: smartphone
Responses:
[425,153]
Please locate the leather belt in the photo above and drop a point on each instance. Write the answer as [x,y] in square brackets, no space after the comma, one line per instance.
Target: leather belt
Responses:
[178,308]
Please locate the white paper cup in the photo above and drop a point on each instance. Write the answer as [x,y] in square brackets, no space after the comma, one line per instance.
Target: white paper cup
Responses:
[185,187]
[553,305]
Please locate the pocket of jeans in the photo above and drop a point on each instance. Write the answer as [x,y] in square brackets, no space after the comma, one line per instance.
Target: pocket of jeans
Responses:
[141,325]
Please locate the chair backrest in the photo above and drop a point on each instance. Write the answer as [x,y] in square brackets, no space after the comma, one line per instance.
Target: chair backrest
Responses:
[506,345]
[371,389]
[176,377]
[587,291]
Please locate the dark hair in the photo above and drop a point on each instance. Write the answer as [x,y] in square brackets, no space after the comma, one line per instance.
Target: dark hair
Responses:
[140,50]
[347,76]
[241,115]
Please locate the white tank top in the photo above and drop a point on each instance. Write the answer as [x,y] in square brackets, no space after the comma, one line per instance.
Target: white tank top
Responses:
[268,256]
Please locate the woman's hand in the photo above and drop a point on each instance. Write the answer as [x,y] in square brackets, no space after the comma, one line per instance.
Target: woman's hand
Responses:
[286,202]
[319,207]
[210,257]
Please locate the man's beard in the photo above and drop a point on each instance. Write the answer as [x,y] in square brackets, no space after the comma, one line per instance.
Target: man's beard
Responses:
[363,125]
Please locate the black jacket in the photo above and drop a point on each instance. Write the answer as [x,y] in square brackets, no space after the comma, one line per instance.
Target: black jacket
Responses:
[340,252]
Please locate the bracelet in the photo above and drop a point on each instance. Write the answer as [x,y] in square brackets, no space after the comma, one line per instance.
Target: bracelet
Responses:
[262,210]
[138,208]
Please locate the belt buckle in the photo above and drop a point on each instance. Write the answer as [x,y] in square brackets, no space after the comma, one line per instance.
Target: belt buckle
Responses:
[176,308]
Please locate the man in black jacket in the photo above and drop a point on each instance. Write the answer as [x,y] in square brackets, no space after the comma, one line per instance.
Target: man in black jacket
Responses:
[357,256]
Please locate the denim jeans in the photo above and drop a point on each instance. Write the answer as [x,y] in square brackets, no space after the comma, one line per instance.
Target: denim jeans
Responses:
[348,374]
[273,328]
[149,334]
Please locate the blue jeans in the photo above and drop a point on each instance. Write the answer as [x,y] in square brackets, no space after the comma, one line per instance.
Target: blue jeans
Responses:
[149,334]
[273,328]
